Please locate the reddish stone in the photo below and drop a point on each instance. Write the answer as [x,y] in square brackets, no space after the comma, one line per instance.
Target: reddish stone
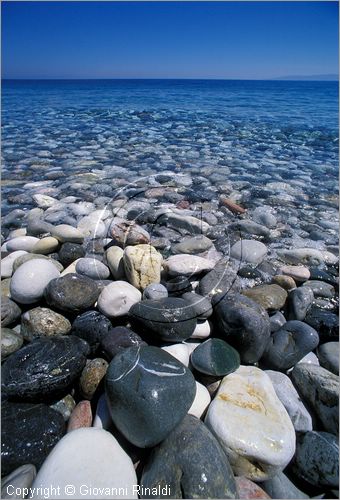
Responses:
[233,207]
[81,416]
[183,204]
[247,489]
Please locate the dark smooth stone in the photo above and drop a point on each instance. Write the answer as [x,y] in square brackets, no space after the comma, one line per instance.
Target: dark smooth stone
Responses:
[10,311]
[288,345]
[320,288]
[243,323]
[250,273]
[44,368]
[201,306]
[319,274]
[215,357]
[276,321]
[28,434]
[72,293]
[316,458]
[191,462]
[177,286]
[299,300]
[169,319]
[91,326]
[117,339]
[221,279]
[328,355]
[279,486]
[148,392]
[325,323]
[69,252]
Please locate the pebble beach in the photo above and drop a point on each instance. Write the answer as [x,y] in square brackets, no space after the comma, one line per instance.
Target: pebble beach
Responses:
[169,290]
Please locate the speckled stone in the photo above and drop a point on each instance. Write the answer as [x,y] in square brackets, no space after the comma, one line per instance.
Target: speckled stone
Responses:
[91,326]
[199,469]
[127,233]
[71,293]
[43,322]
[64,406]
[142,264]
[149,392]
[10,311]
[11,341]
[271,297]
[69,252]
[92,374]
[215,357]
[81,416]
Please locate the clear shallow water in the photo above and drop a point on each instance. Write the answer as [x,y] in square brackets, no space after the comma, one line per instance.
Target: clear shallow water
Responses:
[274,142]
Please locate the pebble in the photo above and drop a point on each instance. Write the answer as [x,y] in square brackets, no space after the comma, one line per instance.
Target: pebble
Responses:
[194,245]
[299,300]
[117,339]
[251,251]
[187,265]
[199,469]
[28,434]
[142,264]
[250,227]
[116,299]
[280,486]
[10,311]
[155,291]
[178,351]
[263,215]
[64,232]
[148,392]
[243,323]
[69,252]
[5,287]
[44,368]
[171,319]
[46,245]
[44,201]
[286,282]
[290,399]
[319,274]
[11,341]
[328,355]
[270,297]
[201,402]
[319,388]
[81,416]
[265,442]
[201,306]
[8,261]
[325,322]
[43,322]
[202,330]
[99,463]
[71,293]
[178,286]
[26,243]
[247,489]
[91,226]
[64,406]
[20,478]
[289,344]
[91,326]
[215,357]
[317,458]
[320,288]
[35,256]
[187,223]
[91,376]
[114,259]
[127,233]
[222,279]
[276,321]
[307,256]
[30,280]
[92,268]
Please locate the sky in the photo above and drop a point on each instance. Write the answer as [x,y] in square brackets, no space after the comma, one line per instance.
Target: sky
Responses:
[241,40]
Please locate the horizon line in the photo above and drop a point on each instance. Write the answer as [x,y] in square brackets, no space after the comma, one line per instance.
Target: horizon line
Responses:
[331,77]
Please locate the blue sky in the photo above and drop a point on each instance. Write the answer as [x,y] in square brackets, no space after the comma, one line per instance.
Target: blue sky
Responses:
[168,39]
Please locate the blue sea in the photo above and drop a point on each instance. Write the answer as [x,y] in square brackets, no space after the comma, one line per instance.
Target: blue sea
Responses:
[272,140]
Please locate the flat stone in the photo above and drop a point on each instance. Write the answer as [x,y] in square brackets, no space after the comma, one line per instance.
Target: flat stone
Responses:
[328,355]
[126,233]
[117,339]
[320,274]
[285,282]
[92,227]
[44,368]
[114,259]
[271,297]
[91,326]
[117,298]
[215,357]
[290,399]
[247,489]
[35,256]
[187,265]
[194,245]
[142,264]
[30,280]
[200,305]
[251,251]
[307,256]
[299,300]
[71,293]
[91,376]
[199,469]
[265,442]
[10,311]
[20,478]
[317,458]
[46,245]
[186,223]
[21,243]
[155,291]
[320,288]
[69,252]
[263,215]
[201,402]
[100,463]
[92,268]
[289,344]
[280,486]
[81,416]
[176,287]
[178,351]
[149,392]
[28,434]
[222,279]
[64,232]
[8,261]
[44,201]
[298,273]
[171,319]
[43,322]
[243,323]
[319,388]
[250,227]
[11,341]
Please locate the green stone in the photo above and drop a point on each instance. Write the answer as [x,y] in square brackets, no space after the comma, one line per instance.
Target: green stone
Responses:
[215,357]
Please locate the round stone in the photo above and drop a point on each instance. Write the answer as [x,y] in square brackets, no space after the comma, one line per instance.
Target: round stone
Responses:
[251,251]
[194,245]
[149,392]
[10,311]
[91,377]
[155,291]
[34,256]
[65,232]
[325,323]
[30,280]
[64,406]
[81,416]
[187,265]
[222,279]
[91,326]
[114,258]
[328,355]
[247,489]
[71,293]
[26,243]
[200,305]
[117,339]
[285,282]
[178,351]
[171,319]
[276,321]
[69,252]
[43,322]
[215,357]
[11,341]
[46,245]
[142,264]
[92,268]
[298,273]
[8,262]
[320,288]
[44,368]
[271,297]
[202,330]
[117,298]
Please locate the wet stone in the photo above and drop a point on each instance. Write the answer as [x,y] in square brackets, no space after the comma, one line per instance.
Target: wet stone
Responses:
[320,288]
[271,297]
[43,322]
[91,376]
[72,293]
[276,321]
[91,326]
[328,355]
[325,323]
[201,306]
[222,279]
[299,300]
[11,341]
[178,286]
[215,357]
[117,339]
[69,252]
[10,311]
[155,291]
